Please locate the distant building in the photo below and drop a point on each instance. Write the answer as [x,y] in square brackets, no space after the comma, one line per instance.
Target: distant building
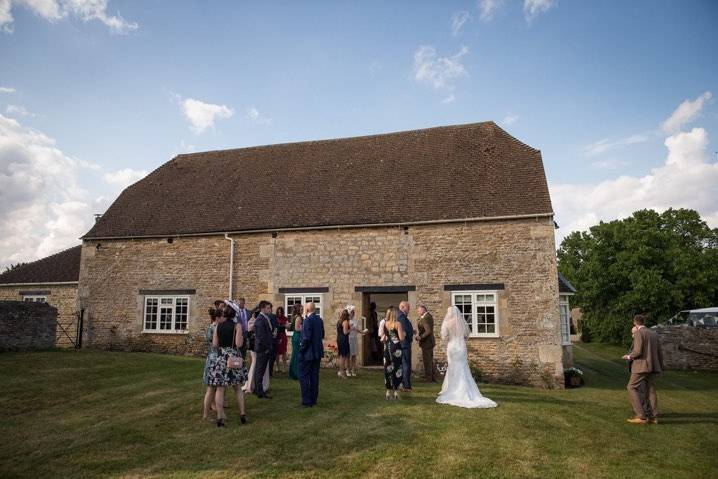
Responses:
[52,280]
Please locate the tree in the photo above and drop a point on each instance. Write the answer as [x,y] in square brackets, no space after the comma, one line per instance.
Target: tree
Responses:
[13,266]
[650,263]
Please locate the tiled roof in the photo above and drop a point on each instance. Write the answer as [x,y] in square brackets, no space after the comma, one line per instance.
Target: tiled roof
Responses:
[564,285]
[59,268]
[453,172]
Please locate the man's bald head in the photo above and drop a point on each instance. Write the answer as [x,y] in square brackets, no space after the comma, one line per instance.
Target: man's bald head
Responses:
[405,307]
[309,308]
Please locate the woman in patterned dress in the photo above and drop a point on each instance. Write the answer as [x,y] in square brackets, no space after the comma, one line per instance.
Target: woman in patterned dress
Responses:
[394,335]
[211,354]
[227,339]
[296,340]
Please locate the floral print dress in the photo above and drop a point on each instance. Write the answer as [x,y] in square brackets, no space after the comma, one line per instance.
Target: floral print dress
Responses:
[211,353]
[392,359]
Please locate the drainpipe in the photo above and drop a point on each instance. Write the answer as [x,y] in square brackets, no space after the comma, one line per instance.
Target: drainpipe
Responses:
[231,263]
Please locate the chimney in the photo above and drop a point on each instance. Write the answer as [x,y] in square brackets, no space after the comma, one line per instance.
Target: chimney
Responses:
[97,217]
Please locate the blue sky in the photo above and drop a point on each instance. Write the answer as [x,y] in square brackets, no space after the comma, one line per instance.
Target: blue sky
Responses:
[116,90]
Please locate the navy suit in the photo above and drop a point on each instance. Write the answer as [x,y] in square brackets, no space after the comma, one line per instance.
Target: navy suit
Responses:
[311,351]
[263,347]
[406,350]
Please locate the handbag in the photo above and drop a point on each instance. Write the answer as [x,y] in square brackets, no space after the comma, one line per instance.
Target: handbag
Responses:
[234,362]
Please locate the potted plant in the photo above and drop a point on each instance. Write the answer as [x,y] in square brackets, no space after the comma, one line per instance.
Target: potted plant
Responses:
[573,377]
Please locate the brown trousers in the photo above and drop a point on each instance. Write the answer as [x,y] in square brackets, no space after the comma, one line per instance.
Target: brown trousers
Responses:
[642,394]
[428,358]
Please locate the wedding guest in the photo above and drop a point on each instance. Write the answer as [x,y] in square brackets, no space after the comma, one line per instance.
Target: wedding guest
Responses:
[343,344]
[296,340]
[311,353]
[282,322]
[375,344]
[226,338]
[647,366]
[241,317]
[274,331]
[404,308]
[211,355]
[263,346]
[426,341]
[354,332]
[393,353]
[249,385]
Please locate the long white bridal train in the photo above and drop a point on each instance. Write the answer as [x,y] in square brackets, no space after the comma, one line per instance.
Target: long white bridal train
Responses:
[459,388]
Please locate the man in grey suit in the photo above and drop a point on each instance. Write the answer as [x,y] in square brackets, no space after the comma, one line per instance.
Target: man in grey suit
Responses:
[646,359]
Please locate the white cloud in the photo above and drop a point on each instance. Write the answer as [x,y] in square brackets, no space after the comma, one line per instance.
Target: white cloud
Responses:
[687,179]
[449,99]
[534,8]
[510,120]
[202,115]
[42,207]
[488,8]
[439,72]
[56,10]
[685,113]
[5,89]
[17,110]
[607,144]
[254,115]
[458,20]
[124,177]
[6,19]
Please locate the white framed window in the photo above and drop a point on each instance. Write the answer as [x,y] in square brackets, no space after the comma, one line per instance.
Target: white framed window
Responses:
[290,299]
[34,298]
[166,314]
[480,310]
[565,319]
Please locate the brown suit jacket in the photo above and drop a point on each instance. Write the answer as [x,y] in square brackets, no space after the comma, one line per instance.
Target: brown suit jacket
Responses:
[646,353]
[426,332]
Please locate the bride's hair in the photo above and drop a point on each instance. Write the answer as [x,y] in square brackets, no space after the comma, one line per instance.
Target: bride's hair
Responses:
[454,324]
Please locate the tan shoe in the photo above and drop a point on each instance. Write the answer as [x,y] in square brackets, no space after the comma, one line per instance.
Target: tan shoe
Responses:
[653,420]
[637,420]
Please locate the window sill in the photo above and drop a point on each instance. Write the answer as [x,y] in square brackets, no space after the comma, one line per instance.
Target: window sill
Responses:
[153,331]
[480,336]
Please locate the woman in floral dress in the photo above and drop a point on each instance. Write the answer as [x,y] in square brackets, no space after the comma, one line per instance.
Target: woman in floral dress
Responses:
[211,354]
[394,334]
[227,339]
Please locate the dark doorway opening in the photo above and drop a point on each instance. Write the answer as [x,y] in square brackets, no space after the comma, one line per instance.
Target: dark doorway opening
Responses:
[372,347]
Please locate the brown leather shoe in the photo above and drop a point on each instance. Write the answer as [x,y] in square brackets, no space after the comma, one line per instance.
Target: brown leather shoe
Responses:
[637,420]
[653,420]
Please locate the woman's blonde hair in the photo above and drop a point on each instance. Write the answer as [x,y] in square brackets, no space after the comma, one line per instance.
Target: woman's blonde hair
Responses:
[390,319]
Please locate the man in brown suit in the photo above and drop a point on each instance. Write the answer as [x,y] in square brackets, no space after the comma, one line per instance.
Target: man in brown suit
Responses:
[646,367]
[426,342]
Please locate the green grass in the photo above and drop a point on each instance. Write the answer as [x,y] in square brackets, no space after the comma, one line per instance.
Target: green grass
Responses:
[100,414]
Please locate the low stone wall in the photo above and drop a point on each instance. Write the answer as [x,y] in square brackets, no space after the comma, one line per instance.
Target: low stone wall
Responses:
[687,347]
[27,326]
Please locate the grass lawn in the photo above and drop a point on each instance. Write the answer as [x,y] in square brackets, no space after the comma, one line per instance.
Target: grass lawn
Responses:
[100,414]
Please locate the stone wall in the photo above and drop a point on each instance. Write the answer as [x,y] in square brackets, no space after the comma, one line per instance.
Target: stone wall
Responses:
[687,347]
[27,326]
[63,297]
[518,253]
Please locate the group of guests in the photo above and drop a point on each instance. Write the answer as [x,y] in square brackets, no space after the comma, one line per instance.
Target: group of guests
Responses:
[236,335]
[397,334]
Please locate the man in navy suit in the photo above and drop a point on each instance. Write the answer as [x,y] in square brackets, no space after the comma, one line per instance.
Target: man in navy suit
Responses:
[404,309]
[311,351]
[263,346]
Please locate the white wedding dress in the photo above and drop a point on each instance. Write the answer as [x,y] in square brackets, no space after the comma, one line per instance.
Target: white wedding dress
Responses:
[459,388]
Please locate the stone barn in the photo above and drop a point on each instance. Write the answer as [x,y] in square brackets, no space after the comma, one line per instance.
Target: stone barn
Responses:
[455,215]
[51,280]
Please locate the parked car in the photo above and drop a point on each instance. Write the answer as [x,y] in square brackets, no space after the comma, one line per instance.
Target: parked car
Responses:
[705,317]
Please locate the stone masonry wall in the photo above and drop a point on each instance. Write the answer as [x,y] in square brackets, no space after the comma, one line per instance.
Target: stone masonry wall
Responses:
[687,347]
[62,297]
[27,326]
[518,253]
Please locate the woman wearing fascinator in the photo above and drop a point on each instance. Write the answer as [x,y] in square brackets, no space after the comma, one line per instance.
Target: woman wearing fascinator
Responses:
[459,388]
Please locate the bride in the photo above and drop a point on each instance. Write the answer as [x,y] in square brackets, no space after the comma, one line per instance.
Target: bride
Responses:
[459,388]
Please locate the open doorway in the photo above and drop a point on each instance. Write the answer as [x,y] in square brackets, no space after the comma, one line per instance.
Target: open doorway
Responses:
[377,303]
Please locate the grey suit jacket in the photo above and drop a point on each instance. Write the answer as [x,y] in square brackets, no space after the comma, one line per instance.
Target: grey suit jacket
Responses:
[646,353]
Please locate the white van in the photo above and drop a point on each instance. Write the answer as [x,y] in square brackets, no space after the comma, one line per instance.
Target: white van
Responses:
[706,317]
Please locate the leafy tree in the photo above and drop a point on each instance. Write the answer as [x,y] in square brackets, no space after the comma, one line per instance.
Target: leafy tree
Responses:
[648,263]
[13,266]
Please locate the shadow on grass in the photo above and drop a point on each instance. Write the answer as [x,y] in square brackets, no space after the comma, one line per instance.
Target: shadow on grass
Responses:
[689,418]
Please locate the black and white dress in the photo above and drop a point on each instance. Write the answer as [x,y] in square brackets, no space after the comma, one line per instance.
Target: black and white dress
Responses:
[219,374]
[392,359]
